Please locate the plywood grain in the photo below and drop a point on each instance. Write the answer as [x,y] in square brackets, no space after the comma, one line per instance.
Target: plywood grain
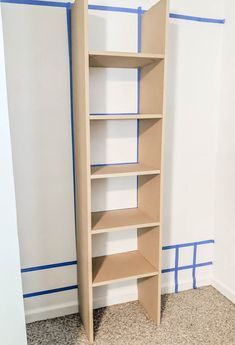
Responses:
[118,267]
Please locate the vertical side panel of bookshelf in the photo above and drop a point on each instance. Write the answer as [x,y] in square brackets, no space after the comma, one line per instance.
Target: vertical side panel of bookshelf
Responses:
[153,26]
[80,64]
[148,289]
[154,37]
[149,297]
[150,142]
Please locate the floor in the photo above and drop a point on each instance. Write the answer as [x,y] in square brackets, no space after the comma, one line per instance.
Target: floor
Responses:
[194,317]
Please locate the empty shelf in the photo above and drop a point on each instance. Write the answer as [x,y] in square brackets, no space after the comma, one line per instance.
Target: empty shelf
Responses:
[125,117]
[117,267]
[107,221]
[98,172]
[122,60]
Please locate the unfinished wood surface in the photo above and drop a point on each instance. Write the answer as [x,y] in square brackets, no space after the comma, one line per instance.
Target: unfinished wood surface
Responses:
[148,244]
[126,117]
[122,60]
[153,99]
[121,219]
[149,290]
[82,161]
[98,172]
[145,263]
[150,142]
[152,88]
[166,15]
[149,196]
[118,267]
[153,28]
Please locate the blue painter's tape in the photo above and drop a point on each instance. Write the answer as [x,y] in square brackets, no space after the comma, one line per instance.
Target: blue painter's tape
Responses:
[182,245]
[46,267]
[188,267]
[176,269]
[194,265]
[139,28]
[47,292]
[73,287]
[113,9]
[38,3]
[196,19]
[73,263]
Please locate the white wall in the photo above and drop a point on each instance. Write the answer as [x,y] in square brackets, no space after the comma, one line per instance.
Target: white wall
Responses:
[224,262]
[12,321]
[38,82]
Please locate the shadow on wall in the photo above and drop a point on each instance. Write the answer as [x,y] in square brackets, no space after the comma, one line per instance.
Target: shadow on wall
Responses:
[169,144]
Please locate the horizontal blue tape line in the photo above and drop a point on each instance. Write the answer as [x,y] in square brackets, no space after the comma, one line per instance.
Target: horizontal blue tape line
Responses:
[171,15]
[114,9]
[182,268]
[39,3]
[73,287]
[74,262]
[46,267]
[197,19]
[47,292]
[187,244]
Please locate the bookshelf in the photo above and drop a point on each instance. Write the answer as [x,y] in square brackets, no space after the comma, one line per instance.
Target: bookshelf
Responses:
[143,264]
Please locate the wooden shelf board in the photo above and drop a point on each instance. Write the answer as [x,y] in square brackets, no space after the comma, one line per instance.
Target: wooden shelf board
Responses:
[118,267]
[122,60]
[107,221]
[126,117]
[98,172]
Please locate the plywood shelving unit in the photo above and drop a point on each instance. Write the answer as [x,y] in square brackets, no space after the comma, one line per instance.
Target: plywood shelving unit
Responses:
[144,264]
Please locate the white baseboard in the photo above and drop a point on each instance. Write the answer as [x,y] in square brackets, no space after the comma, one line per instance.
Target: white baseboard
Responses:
[72,307]
[51,312]
[224,290]
[185,285]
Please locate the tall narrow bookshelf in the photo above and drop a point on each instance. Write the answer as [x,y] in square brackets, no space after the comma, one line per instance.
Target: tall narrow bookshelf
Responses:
[143,264]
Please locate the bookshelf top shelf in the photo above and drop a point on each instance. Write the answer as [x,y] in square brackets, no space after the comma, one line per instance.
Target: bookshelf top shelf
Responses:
[122,59]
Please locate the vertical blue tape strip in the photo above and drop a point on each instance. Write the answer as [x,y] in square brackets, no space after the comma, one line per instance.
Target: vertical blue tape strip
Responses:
[194,266]
[139,29]
[176,269]
[68,13]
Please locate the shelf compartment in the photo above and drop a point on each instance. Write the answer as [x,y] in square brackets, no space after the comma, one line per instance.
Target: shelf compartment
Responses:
[98,172]
[118,267]
[122,60]
[125,117]
[107,221]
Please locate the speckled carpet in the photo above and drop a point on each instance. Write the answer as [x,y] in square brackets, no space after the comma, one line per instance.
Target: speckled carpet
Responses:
[194,317]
